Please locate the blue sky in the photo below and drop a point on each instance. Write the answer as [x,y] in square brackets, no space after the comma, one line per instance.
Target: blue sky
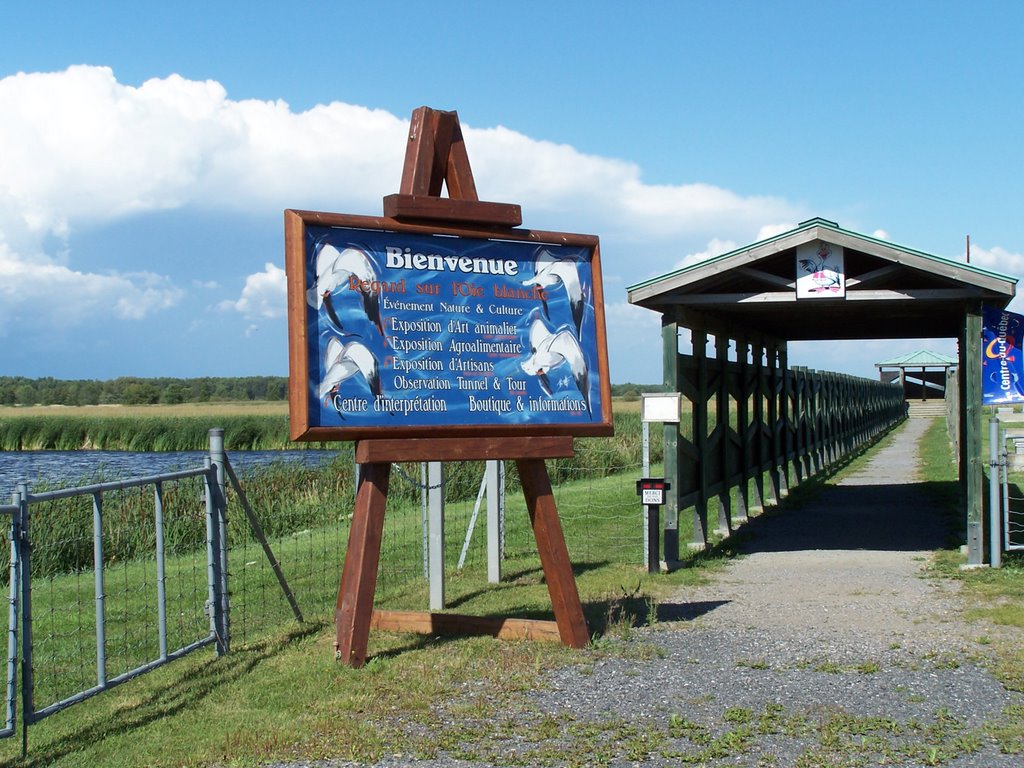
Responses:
[148,150]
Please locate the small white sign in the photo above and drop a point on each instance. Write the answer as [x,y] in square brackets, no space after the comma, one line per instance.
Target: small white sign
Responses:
[653,496]
[660,406]
[820,272]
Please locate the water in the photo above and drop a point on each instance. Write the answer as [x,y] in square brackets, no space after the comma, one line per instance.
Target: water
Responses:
[62,469]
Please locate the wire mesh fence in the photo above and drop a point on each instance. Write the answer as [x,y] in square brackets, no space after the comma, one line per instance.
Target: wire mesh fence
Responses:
[598,507]
[91,613]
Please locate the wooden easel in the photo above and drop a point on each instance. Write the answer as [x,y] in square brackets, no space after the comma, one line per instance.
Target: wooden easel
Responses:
[436,155]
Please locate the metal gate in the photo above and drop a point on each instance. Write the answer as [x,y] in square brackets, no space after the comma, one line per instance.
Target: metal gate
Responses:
[9,515]
[103,601]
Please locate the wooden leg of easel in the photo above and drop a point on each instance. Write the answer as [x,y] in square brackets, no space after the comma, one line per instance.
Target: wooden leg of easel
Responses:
[554,556]
[359,576]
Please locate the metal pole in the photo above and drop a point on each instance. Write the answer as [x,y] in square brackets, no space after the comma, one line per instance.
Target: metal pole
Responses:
[993,493]
[472,522]
[161,575]
[1004,460]
[646,449]
[217,458]
[435,492]
[12,621]
[425,514]
[27,682]
[212,577]
[651,524]
[97,557]
[493,522]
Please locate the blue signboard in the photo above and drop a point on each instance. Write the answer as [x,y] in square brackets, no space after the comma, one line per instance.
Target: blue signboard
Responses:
[411,332]
[1002,370]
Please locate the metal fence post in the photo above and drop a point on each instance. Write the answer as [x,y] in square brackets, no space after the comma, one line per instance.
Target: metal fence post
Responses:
[12,619]
[27,702]
[435,494]
[494,504]
[161,573]
[220,552]
[994,522]
[101,597]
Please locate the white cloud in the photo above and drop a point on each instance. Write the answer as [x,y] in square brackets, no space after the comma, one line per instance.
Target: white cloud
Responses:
[1001,260]
[79,149]
[771,230]
[265,295]
[57,296]
[715,247]
[622,314]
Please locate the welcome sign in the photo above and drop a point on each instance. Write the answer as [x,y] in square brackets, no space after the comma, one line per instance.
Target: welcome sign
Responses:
[403,330]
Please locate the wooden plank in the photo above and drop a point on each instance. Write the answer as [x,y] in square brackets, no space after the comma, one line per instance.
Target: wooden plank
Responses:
[427,623]
[359,574]
[768,278]
[554,555]
[971,472]
[673,380]
[873,276]
[402,207]
[419,153]
[459,174]
[455,449]
[298,393]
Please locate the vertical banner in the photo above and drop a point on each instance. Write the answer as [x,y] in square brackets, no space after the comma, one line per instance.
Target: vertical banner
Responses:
[1001,365]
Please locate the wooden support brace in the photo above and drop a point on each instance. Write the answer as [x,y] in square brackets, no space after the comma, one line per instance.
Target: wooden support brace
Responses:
[554,556]
[359,575]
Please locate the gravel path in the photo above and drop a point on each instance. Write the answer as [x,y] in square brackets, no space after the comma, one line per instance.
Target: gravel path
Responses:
[822,646]
[828,617]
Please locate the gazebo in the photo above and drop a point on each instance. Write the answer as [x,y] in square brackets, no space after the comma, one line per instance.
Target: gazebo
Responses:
[922,374]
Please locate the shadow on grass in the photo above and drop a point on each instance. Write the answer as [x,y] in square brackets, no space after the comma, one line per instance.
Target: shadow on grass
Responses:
[166,700]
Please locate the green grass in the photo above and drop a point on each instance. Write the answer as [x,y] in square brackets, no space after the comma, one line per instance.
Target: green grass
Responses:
[268,695]
[281,695]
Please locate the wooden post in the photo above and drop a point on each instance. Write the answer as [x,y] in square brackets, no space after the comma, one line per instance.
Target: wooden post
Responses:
[700,437]
[554,556]
[722,426]
[970,432]
[359,574]
[672,459]
[744,430]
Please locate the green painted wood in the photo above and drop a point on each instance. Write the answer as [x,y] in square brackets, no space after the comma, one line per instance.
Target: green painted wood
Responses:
[672,460]
[744,428]
[722,420]
[970,432]
[700,437]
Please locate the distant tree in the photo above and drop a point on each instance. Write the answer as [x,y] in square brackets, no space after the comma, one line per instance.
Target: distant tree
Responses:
[140,393]
[173,394]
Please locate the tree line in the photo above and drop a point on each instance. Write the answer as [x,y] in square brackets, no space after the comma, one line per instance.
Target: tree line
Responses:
[130,390]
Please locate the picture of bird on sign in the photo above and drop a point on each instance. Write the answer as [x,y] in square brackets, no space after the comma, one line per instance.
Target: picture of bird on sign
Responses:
[346,270]
[820,271]
[554,274]
[558,362]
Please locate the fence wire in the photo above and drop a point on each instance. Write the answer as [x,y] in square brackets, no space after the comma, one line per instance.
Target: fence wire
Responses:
[599,509]
[66,641]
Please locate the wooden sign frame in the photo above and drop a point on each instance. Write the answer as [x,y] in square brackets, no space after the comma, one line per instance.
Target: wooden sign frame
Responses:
[436,157]
[372,283]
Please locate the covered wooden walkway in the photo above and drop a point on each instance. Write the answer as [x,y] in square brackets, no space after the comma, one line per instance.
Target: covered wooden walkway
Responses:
[750,415]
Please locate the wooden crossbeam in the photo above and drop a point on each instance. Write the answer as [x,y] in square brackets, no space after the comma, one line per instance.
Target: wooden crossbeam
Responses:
[435,158]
